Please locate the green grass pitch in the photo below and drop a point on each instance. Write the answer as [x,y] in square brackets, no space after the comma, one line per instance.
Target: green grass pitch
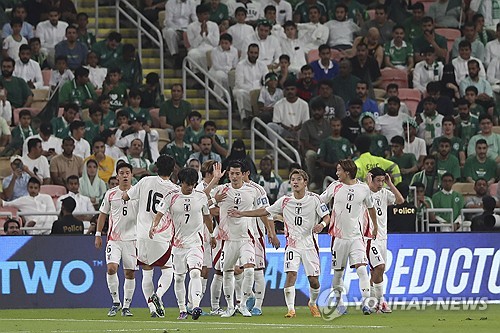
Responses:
[95,320]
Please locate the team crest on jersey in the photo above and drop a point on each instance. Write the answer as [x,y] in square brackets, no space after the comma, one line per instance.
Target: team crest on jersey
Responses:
[187,207]
[324,208]
[264,201]
[237,200]
[298,210]
[379,203]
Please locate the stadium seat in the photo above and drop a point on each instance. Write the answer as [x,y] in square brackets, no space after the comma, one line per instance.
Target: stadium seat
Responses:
[5,169]
[155,117]
[466,189]
[336,55]
[40,98]
[161,19]
[312,55]
[411,97]
[493,189]
[15,113]
[451,35]
[55,191]
[46,75]
[254,100]
[393,75]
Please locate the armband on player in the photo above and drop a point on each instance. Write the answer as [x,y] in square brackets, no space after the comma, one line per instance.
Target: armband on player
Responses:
[98,234]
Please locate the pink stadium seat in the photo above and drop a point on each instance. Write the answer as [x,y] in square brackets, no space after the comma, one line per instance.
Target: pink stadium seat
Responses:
[155,117]
[312,56]
[15,113]
[451,35]
[55,191]
[393,75]
[493,189]
[46,75]
[411,97]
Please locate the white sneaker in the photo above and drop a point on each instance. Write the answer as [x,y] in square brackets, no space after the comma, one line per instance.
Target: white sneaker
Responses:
[244,311]
[228,313]
[217,312]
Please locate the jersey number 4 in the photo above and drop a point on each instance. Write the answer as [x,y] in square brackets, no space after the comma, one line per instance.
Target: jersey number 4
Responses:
[154,199]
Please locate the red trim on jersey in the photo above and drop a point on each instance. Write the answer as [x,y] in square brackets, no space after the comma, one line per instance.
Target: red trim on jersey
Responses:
[251,237]
[161,261]
[316,245]
[368,245]
[110,226]
[367,232]
[218,254]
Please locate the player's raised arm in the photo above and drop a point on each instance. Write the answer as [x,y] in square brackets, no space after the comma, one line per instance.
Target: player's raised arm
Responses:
[217,175]
[394,190]
[249,213]
[327,194]
[98,230]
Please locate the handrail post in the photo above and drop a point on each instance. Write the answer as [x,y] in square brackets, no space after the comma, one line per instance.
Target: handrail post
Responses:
[96,24]
[117,15]
[207,96]
[252,139]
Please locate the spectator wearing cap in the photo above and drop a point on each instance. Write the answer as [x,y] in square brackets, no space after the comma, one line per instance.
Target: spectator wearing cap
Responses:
[350,124]
[178,16]
[36,162]
[293,47]
[224,58]
[51,144]
[51,32]
[97,74]
[427,70]
[79,90]
[111,149]
[430,122]
[334,105]
[290,113]
[203,35]
[82,146]
[151,94]
[391,123]
[28,69]
[312,32]
[175,110]
[241,29]
[269,95]
[15,185]
[269,46]
[413,144]
[149,138]
[110,50]
[11,227]
[324,68]
[67,224]
[74,50]
[65,164]
[379,145]
[105,162]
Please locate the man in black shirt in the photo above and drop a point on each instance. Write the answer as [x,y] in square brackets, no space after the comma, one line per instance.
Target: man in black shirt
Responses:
[350,124]
[67,223]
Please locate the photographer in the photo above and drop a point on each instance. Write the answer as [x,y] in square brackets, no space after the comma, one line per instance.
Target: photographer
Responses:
[16,184]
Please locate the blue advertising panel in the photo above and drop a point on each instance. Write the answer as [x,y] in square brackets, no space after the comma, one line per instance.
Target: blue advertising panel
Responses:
[68,272]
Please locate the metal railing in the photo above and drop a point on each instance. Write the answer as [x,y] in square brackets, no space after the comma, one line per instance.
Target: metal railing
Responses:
[22,214]
[272,138]
[428,225]
[224,100]
[158,40]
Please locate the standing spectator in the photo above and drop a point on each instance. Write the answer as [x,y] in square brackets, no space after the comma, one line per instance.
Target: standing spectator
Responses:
[36,162]
[382,23]
[398,53]
[480,166]
[175,110]
[67,224]
[333,149]
[12,43]
[407,162]
[178,15]
[447,198]
[366,67]
[270,181]
[307,86]
[108,116]
[65,164]
[60,125]
[350,124]
[334,105]
[51,32]
[493,48]
[284,72]
[293,47]
[110,50]
[427,70]
[177,148]
[205,153]
[79,90]
[345,83]
[240,30]
[413,144]
[51,144]
[15,185]
[27,69]
[224,59]
[84,36]
[91,185]
[106,163]
[19,11]
[75,51]
[94,126]
[341,28]
[18,92]
[324,68]
[313,33]
[445,161]
[203,35]
[83,203]
[430,125]
[97,74]
[82,146]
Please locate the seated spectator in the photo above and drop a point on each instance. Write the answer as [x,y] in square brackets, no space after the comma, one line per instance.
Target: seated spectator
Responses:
[445,161]
[345,83]
[251,7]
[116,89]
[112,182]
[240,30]
[135,157]
[123,125]
[284,72]
[37,54]
[106,163]
[481,188]
[269,46]
[467,123]
[178,15]
[19,11]
[302,14]
[134,107]
[392,90]
[422,203]
[219,13]
[372,42]
[97,74]
[460,63]
[366,67]
[341,28]
[34,202]
[177,148]
[5,135]
[110,50]
[334,105]
[83,203]
[382,23]
[91,185]
[65,7]
[429,38]
[28,69]
[60,125]
[11,227]
[108,116]
[479,165]
[369,105]
[131,67]
[205,153]
[65,164]
[444,104]
[21,132]
[79,90]
[379,144]
[74,50]
[84,36]
[224,59]
[430,122]
[93,127]
[82,146]
[428,176]
[61,74]
[350,124]
[219,144]
[67,224]
[485,93]
[36,162]
[407,163]
[324,68]
[175,110]
[111,149]
[18,92]
[398,54]
[151,94]
[268,179]
[269,95]
[277,30]
[286,187]
[312,32]
[289,114]
[34,10]
[307,86]
[447,198]
[312,133]
[283,9]
[492,48]
[12,43]
[470,35]
[293,47]
[51,144]
[457,146]
[413,144]
[492,139]
[51,32]
[427,70]
[5,107]
[446,13]
[333,148]
[203,35]
[148,137]
[248,76]
[15,185]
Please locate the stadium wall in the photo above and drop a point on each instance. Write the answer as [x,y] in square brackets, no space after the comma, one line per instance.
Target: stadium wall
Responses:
[68,272]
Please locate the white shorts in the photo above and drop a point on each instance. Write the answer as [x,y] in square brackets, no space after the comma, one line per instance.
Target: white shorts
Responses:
[217,255]
[244,251]
[188,258]
[376,251]
[153,253]
[124,251]
[352,249]
[260,253]
[207,255]
[308,257]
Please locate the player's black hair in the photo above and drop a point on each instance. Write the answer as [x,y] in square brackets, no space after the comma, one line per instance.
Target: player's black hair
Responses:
[377,172]
[123,164]
[363,143]
[188,176]
[236,164]
[165,165]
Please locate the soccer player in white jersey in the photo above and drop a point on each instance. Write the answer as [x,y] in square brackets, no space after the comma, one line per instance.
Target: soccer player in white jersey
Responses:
[350,200]
[302,212]
[377,248]
[149,192]
[237,246]
[188,209]
[121,239]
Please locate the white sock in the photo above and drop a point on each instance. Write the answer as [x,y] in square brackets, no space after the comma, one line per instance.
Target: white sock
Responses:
[180,291]
[128,292]
[337,285]
[165,281]
[364,282]
[378,291]
[260,288]
[195,287]
[372,291]
[228,287]
[147,284]
[238,280]
[290,298]
[204,282]
[113,284]
[247,284]
[215,291]
[313,295]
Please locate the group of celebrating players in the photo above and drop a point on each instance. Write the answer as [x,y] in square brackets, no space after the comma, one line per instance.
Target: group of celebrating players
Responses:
[198,224]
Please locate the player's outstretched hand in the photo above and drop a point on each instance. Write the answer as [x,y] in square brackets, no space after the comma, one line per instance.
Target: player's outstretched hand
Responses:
[213,242]
[234,213]
[369,178]
[98,242]
[275,241]
[219,196]
[151,232]
[318,228]
[218,173]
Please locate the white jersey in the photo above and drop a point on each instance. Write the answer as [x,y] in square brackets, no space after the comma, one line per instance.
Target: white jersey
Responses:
[122,215]
[245,198]
[187,213]
[206,233]
[349,205]
[300,216]
[258,228]
[149,192]
[381,200]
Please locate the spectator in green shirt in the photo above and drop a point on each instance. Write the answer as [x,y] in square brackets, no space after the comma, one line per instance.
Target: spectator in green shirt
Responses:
[413,24]
[429,38]
[407,162]
[178,149]
[94,126]
[219,12]
[131,67]
[333,149]
[174,111]
[219,144]
[467,123]
[87,38]
[398,53]
[60,125]
[479,165]
[447,198]
[18,92]
[194,131]
[445,161]
[268,179]
[110,50]
[151,94]
[134,108]
[116,89]
[108,116]
[448,130]
[79,90]
[379,145]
